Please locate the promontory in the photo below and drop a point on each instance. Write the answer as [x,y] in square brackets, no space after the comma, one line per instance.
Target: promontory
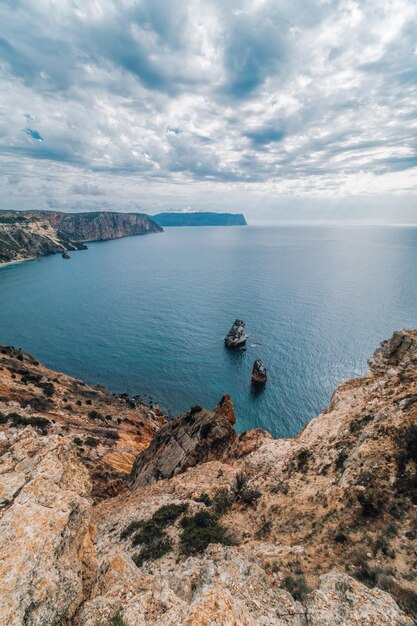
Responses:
[30,234]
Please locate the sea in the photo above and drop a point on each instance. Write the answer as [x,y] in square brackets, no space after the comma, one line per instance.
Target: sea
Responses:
[147,315]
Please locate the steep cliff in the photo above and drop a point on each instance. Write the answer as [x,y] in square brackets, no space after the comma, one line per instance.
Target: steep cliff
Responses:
[212,527]
[100,226]
[26,235]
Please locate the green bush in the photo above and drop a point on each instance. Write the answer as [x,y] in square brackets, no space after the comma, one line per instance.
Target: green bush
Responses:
[90,441]
[168,514]
[370,507]
[199,531]
[243,493]
[204,498]
[296,586]
[222,502]
[154,548]
[117,620]
[129,530]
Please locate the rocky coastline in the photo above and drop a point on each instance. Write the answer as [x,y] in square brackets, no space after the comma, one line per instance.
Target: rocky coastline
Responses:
[110,514]
[26,235]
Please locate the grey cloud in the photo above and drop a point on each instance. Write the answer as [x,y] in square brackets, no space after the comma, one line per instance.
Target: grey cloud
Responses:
[294,96]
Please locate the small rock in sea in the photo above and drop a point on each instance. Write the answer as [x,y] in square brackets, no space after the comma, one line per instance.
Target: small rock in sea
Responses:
[236,336]
[65,255]
[259,373]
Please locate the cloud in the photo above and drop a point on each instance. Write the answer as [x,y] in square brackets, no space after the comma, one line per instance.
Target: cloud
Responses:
[86,189]
[137,100]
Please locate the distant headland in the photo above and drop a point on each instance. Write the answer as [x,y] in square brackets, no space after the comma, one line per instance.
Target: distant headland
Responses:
[200,219]
[30,234]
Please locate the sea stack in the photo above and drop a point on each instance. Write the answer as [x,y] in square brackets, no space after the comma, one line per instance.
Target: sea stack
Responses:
[65,255]
[259,373]
[236,337]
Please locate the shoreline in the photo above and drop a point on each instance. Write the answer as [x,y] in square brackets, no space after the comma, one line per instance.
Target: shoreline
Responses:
[5,263]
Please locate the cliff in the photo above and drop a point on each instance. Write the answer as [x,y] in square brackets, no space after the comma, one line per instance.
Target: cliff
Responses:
[210,527]
[200,219]
[25,235]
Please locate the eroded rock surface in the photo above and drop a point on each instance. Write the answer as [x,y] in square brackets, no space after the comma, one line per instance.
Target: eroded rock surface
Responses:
[47,562]
[320,529]
[195,437]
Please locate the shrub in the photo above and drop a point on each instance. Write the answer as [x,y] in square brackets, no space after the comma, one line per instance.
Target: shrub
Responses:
[78,441]
[117,620]
[370,508]
[296,586]
[243,493]
[153,549]
[3,418]
[95,415]
[204,498]
[199,531]
[303,459]
[168,514]
[222,502]
[133,526]
[90,441]
[48,389]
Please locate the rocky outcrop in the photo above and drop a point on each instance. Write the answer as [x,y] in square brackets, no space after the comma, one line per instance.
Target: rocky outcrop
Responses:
[259,376]
[320,529]
[400,351]
[100,225]
[236,337]
[107,432]
[194,437]
[30,234]
[48,561]
[226,409]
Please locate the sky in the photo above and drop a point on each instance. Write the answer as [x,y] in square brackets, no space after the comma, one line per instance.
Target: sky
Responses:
[285,110]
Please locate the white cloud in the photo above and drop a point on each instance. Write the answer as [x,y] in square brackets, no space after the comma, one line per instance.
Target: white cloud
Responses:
[160,104]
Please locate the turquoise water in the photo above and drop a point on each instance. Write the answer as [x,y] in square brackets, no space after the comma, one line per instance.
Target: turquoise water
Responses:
[147,315]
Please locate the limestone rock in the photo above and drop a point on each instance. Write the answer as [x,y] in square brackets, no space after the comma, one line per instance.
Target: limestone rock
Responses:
[194,437]
[226,409]
[236,337]
[259,373]
[47,563]
[341,600]
[400,351]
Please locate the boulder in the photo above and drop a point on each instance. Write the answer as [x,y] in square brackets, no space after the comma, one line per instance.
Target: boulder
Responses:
[236,337]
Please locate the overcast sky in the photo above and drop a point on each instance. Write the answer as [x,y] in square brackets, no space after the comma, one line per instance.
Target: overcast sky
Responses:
[282,109]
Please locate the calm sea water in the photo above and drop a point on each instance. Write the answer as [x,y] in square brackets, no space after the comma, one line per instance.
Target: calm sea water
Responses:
[147,315]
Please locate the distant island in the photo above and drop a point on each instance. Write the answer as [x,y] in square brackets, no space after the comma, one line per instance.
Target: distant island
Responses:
[200,219]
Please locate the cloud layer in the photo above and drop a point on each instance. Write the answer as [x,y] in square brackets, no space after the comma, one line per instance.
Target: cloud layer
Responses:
[151,104]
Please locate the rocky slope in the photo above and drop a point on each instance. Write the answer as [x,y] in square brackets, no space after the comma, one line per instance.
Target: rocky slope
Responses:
[25,235]
[211,527]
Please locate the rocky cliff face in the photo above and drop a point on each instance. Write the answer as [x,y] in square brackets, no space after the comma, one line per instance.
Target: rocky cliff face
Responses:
[100,226]
[26,235]
[214,527]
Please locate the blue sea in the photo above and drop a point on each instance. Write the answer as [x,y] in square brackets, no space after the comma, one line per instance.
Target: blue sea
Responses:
[147,315]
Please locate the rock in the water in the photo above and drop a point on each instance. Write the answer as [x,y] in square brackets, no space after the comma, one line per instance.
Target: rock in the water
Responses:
[65,255]
[259,373]
[236,336]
